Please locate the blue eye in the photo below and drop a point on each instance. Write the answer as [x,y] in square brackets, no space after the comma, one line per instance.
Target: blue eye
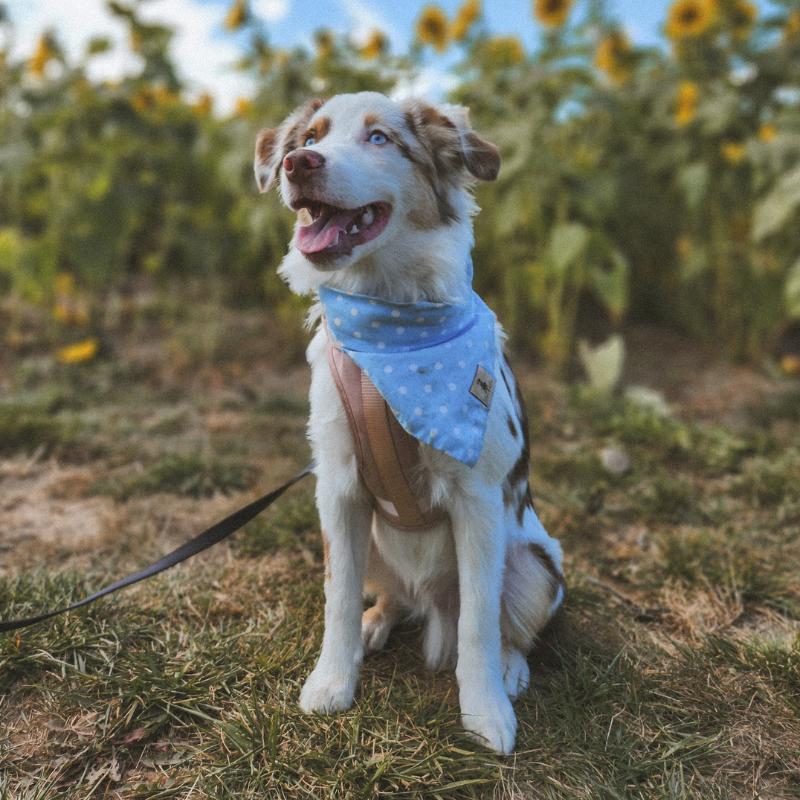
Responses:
[311,140]
[377,137]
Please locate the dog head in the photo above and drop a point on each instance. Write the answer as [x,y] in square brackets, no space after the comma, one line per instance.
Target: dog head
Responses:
[369,176]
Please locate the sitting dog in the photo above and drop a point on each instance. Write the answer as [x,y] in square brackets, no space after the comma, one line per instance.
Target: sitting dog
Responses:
[383,236]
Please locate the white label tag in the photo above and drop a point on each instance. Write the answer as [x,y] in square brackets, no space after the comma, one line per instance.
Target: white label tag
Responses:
[482,386]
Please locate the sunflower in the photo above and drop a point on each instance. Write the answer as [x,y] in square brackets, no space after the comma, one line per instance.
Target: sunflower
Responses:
[767,132]
[686,103]
[790,364]
[143,99]
[552,13]
[243,106]
[505,51]
[733,152]
[375,46]
[204,105]
[612,57]
[236,16]
[465,18]
[690,18]
[743,14]
[77,353]
[432,28]
[45,51]
[792,29]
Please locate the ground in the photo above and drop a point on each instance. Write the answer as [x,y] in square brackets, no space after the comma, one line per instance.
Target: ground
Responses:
[673,670]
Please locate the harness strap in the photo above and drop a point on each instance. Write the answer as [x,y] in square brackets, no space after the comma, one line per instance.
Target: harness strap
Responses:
[386,453]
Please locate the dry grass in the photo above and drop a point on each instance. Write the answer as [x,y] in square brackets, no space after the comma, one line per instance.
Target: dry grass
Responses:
[673,672]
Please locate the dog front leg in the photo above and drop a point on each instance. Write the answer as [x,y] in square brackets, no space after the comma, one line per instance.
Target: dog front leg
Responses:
[345,524]
[480,549]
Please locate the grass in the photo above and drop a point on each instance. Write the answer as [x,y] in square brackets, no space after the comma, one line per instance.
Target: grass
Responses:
[673,671]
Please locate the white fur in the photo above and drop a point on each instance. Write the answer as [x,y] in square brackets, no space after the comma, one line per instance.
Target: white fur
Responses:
[452,576]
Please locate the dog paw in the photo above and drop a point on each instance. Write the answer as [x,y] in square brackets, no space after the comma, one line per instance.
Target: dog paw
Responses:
[516,673]
[491,721]
[375,629]
[326,692]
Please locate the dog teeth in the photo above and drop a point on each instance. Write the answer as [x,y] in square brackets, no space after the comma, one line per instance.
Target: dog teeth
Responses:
[353,228]
[304,217]
[368,216]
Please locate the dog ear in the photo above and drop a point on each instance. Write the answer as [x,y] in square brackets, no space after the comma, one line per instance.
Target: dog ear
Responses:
[481,158]
[448,137]
[272,144]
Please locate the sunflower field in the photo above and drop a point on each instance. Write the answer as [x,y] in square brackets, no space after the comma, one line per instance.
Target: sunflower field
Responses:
[657,184]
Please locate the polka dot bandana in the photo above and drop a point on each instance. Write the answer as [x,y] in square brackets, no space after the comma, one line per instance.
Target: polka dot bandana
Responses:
[435,364]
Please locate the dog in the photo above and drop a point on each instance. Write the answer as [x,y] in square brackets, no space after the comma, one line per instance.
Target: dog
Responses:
[382,191]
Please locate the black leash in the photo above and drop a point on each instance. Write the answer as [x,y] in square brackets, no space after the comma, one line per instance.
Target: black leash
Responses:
[208,538]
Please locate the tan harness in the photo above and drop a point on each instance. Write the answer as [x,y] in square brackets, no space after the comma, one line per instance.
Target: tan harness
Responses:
[387,455]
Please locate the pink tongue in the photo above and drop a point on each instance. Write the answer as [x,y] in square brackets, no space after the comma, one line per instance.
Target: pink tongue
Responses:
[324,232]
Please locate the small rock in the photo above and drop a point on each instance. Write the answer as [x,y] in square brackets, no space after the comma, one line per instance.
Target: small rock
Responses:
[615,461]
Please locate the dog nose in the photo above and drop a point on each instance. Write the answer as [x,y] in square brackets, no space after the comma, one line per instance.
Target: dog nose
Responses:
[300,162]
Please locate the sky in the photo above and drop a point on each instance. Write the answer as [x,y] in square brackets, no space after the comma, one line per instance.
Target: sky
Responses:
[205,51]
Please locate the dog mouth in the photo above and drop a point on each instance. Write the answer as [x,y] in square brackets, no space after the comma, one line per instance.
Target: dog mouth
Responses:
[325,231]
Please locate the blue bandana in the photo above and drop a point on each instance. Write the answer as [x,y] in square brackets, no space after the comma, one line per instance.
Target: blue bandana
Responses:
[433,363]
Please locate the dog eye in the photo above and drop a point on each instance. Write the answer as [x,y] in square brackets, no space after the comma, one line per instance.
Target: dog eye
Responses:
[309,141]
[377,137]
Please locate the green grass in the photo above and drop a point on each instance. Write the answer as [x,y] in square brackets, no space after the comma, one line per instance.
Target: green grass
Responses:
[191,475]
[673,671]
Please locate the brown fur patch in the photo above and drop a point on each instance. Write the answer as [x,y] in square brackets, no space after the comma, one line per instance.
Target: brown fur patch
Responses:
[319,129]
[371,119]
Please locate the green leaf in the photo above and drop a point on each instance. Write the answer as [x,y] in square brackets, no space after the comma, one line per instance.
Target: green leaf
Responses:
[611,284]
[567,243]
[603,364]
[776,208]
[97,45]
[693,181]
[791,291]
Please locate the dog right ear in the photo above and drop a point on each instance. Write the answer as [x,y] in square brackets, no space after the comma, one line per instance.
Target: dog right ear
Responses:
[265,167]
[273,144]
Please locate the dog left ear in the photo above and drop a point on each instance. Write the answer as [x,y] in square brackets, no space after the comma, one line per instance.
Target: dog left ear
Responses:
[481,158]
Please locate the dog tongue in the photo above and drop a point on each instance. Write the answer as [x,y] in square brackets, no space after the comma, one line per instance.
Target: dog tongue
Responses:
[323,233]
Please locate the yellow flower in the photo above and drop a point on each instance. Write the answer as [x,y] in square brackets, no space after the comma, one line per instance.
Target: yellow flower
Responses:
[743,14]
[552,13]
[767,132]
[375,46]
[684,247]
[204,105]
[505,51]
[790,364]
[792,29]
[78,353]
[690,18]
[236,16]
[143,99]
[686,105]
[733,152]
[42,55]
[324,42]
[164,96]
[62,312]
[243,106]
[64,283]
[432,28]
[465,18]
[612,57]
